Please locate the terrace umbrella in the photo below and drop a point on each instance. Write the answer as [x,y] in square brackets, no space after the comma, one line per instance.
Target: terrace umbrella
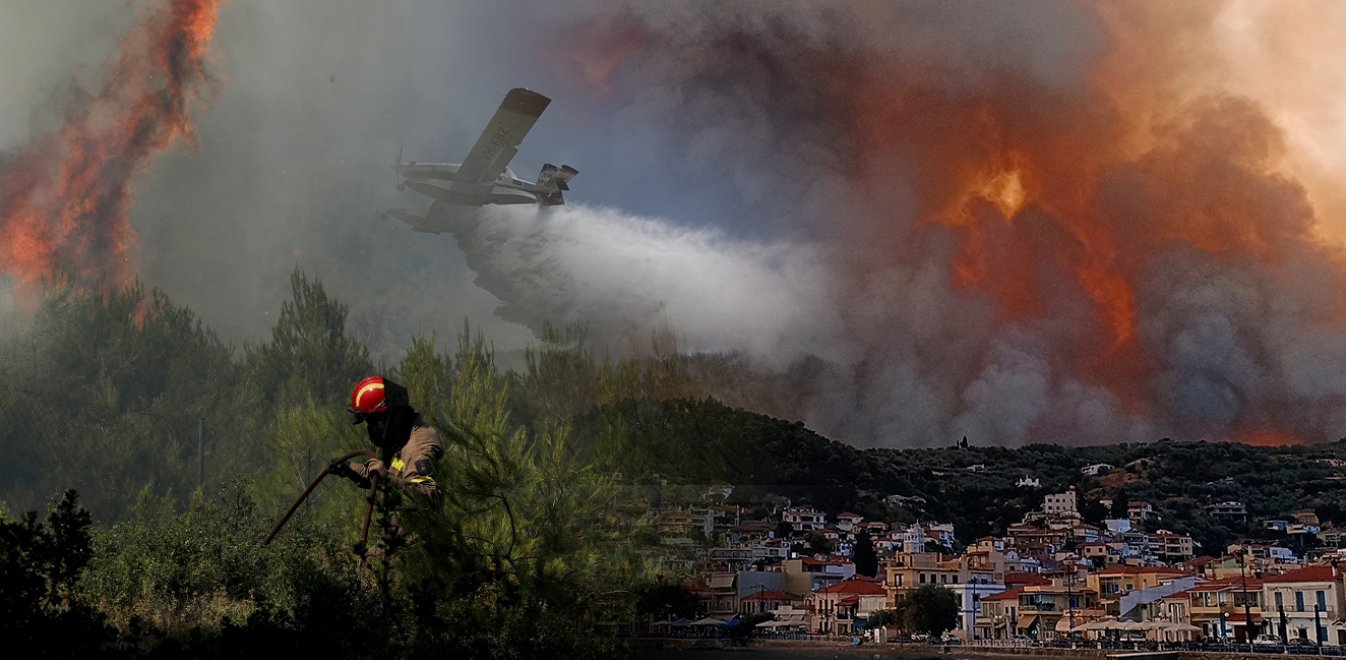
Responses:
[1181,630]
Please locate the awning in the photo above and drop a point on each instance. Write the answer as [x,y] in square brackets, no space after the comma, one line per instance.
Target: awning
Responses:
[722,582]
[708,621]
[1026,621]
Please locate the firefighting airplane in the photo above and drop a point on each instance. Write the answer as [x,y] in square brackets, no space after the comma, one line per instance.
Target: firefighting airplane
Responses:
[484,178]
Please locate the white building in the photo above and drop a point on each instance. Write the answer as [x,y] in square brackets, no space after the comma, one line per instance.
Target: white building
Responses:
[804,518]
[848,522]
[1061,504]
[1310,603]
[969,604]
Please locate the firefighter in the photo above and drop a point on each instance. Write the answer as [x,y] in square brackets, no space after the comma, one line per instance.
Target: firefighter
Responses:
[407,444]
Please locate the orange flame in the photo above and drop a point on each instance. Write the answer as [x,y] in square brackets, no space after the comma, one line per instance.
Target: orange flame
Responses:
[65,199]
[1061,199]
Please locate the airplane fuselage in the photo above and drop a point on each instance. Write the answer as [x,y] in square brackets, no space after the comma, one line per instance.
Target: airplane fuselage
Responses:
[437,181]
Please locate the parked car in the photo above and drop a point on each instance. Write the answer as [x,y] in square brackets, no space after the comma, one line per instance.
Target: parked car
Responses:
[1267,640]
[1301,641]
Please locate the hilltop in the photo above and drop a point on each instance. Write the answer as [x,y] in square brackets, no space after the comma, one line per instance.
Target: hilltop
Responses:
[706,443]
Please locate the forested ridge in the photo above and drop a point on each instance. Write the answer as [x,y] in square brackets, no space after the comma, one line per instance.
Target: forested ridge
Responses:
[112,393]
[705,442]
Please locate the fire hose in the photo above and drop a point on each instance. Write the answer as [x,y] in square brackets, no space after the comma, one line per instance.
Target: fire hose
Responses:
[369,510]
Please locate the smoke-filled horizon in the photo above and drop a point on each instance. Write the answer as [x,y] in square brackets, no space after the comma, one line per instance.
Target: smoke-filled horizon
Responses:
[1029,222]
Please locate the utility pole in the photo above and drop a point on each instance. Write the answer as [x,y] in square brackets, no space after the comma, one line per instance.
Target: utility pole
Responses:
[201,452]
[1070,603]
[1247,606]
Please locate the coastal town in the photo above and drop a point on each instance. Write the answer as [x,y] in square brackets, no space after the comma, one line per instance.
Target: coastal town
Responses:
[1050,578]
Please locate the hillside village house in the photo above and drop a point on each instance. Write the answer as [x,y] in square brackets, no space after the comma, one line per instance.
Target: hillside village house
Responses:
[1217,607]
[1049,573]
[849,522]
[999,614]
[1061,504]
[1046,612]
[808,574]
[804,518]
[1306,604]
[970,595]
[1119,580]
[836,607]
[766,601]
[912,570]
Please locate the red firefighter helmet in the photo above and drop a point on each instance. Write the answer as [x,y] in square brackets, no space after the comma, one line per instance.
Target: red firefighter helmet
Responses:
[369,396]
[374,395]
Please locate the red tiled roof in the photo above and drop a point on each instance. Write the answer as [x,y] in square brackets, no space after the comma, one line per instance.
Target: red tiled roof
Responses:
[810,561]
[1233,583]
[1136,570]
[848,601]
[1025,579]
[857,587]
[848,514]
[1316,573]
[1009,594]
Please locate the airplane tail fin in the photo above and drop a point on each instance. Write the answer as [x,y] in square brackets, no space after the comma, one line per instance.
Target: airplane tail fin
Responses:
[556,180]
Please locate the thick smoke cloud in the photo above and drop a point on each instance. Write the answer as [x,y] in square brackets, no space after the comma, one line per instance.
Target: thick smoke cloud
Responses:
[1019,222]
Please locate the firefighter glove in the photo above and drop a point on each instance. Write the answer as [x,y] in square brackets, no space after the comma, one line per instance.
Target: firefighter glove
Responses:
[376,467]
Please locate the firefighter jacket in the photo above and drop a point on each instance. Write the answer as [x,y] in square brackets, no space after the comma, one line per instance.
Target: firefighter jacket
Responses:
[412,466]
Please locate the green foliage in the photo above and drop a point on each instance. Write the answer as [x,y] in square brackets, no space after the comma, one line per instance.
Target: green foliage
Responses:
[817,543]
[928,609]
[866,560]
[536,548]
[663,601]
[881,618]
[40,561]
[309,357]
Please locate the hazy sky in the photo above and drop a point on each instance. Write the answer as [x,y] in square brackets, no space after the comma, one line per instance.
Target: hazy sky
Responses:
[1057,221]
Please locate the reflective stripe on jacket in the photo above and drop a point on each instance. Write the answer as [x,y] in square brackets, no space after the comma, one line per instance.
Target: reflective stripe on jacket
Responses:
[414,463]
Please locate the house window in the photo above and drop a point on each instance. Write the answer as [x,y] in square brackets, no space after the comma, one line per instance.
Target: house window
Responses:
[1322,601]
[1280,600]
[1299,601]
[922,576]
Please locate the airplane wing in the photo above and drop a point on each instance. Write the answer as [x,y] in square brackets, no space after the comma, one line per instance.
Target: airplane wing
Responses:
[500,141]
